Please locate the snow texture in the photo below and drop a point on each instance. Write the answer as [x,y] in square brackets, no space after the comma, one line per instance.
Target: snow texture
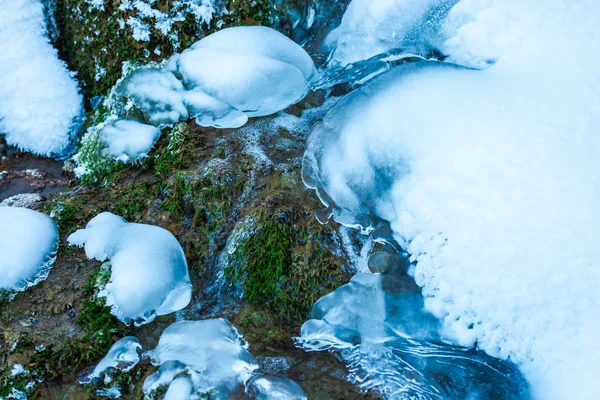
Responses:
[40,104]
[128,140]
[149,273]
[488,179]
[28,243]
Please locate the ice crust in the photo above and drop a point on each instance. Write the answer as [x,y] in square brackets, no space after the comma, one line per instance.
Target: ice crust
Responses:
[40,104]
[28,244]
[149,273]
[123,355]
[487,178]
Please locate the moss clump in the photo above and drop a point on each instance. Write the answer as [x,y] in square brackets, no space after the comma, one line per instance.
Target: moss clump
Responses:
[285,267]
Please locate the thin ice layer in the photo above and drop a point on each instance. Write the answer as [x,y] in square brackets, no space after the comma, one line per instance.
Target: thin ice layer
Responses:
[40,104]
[28,242]
[149,273]
[486,177]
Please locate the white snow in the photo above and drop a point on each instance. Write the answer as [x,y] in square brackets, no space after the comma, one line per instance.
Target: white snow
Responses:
[128,140]
[123,355]
[489,180]
[180,389]
[28,243]
[40,104]
[149,273]
[213,352]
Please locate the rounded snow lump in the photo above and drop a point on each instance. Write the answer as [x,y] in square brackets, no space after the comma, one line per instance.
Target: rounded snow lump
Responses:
[149,273]
[255,69]
[28,243]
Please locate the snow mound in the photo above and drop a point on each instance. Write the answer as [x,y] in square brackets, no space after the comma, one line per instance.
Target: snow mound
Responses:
[485,177]
[40,105]
[28,243]
[123,355]
[149,273]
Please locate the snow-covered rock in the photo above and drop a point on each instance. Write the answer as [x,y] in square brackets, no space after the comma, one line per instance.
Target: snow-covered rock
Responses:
[28,243]
[123,355]
[488,179]
[128,140]
[40,104]
[149,273]
[257,70]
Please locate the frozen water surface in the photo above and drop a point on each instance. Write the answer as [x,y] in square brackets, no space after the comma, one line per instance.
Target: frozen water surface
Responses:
[123,355]
[149,273]
[28,243]
[486,177]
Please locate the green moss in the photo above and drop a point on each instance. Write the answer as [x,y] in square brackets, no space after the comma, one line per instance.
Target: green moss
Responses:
[285,266]
[134,203]
[68,215]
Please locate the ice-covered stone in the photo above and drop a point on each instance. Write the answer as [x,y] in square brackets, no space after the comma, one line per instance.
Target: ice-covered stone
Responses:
[28,244]
[128,140]
[149,273]
[180,389]
[123,355]
[213,352]
[267,387]
[256,70]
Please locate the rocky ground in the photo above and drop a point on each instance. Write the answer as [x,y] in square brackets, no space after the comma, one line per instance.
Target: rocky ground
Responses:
[257,256]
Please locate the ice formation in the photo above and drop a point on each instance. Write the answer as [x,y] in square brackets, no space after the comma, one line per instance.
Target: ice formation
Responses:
[214,354]
[40,104]
[123,355]
[391,344]
[223,79]
[487,178]
[211,356]
[28,243]
[275,388]
[370,28]
[149,273]
[128,140]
